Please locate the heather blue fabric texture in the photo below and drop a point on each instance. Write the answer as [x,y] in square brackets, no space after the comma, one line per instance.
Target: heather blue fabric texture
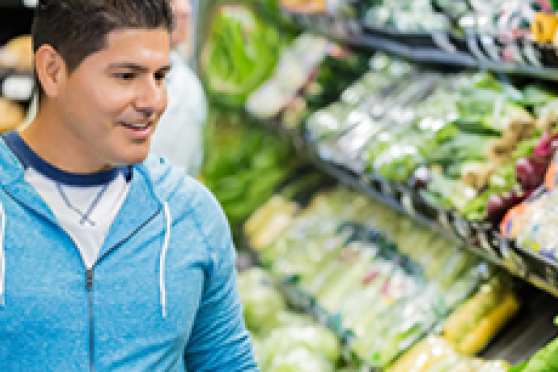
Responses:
[44,316]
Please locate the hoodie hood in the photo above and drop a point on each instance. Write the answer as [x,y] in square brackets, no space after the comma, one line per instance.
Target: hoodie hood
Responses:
[10,165]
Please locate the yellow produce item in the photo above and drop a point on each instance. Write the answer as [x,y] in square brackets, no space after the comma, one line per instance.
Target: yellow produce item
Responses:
[544,27]
[467,316]
[424,355]
[262,214]
[278,222]
[458,319]
[487,328]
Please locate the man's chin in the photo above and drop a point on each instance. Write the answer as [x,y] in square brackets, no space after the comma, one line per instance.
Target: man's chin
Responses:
[132,159]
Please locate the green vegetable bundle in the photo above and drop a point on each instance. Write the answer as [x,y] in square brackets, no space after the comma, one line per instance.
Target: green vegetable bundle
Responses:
[239,53]
[244,164]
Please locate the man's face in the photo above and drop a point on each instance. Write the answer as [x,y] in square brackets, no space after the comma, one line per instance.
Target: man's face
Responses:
[181,10]
[111,103]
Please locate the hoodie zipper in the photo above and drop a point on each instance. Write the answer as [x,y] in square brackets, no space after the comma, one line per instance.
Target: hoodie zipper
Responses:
[89,286]
[89,280]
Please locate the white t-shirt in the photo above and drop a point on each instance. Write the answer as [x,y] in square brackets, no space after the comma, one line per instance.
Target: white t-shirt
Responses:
[84,205]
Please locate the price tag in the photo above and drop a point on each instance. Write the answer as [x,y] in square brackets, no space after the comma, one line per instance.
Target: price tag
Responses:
[544,27]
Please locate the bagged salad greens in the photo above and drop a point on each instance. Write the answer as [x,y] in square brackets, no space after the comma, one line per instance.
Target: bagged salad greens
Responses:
[239,53]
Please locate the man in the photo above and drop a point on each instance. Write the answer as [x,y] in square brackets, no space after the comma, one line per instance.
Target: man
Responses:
[179,136]
[109,261]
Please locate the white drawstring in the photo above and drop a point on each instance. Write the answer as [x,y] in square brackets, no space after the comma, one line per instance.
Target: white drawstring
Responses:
[162,260]
[2,256]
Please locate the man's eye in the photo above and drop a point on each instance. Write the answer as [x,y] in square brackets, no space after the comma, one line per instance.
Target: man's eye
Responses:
[160,76]
[124,76]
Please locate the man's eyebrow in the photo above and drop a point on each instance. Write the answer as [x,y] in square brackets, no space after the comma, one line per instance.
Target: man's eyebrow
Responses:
[135,67]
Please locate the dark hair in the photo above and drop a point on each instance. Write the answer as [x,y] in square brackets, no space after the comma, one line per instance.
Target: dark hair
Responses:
[78,28]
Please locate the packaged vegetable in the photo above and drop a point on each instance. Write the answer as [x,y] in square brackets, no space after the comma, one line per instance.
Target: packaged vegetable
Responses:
[300,360]
[423,355]
[315,338]
[261,302]
[338,286]
[352,259]
[238,54]
[477,320]
[536,225]
[488,326]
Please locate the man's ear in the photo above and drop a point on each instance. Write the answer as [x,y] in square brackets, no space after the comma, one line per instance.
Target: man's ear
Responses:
[51,70]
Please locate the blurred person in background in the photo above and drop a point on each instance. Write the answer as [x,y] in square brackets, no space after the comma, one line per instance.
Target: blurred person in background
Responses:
[179,136]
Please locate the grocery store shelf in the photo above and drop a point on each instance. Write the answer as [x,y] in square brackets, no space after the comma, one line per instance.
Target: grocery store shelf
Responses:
[364,184]
[483,241]
[527,332]
[435,48]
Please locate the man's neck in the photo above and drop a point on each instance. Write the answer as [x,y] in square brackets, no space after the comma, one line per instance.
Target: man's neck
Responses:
[46,137]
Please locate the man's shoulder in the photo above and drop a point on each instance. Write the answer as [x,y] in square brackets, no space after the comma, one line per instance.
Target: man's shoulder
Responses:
[171,184]
[189,200]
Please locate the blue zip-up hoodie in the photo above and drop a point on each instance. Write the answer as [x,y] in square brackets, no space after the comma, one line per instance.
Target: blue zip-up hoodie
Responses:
[161,297]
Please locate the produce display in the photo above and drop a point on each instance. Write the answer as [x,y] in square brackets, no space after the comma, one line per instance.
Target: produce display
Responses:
[533,222]
[243,160]
[514,36]
[466,142]
[239,53]
[436,354]
[471,152]
[387,295]
[472,325]
[284,340]
[516,20]
[310,73]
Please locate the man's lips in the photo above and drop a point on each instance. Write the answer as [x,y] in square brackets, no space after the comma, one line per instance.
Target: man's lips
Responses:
[137,125]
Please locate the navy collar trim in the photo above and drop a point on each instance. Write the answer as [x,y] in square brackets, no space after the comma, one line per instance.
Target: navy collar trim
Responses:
[29,158]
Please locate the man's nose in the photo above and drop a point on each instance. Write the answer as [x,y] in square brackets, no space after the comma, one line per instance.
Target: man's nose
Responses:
[152,96]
